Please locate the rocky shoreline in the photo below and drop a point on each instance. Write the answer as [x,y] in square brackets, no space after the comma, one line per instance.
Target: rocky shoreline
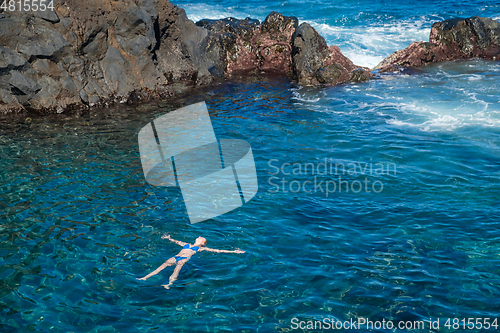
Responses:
[101,52]
[474,37]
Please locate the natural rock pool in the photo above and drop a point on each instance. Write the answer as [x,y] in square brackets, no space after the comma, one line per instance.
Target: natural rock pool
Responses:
[79,223]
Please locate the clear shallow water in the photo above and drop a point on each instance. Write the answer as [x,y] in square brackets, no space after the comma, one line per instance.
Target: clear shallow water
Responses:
[78,223]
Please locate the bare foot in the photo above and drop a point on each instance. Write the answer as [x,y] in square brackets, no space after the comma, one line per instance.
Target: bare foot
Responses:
[143,279]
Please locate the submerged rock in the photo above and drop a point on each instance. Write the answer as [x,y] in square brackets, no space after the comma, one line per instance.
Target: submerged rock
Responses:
[474,37]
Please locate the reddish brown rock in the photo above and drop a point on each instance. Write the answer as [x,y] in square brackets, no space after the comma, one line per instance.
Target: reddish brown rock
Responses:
[474,37]
[251,46]
[279,45]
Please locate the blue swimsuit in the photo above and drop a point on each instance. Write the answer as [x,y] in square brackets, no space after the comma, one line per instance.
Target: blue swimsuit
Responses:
[187,246]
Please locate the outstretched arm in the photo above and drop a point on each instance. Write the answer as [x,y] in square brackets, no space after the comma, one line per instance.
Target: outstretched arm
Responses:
[220,251]
[173,240]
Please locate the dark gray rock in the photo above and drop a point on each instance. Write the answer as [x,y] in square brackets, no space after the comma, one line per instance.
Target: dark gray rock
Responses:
[134,31]
[37,39]
[309,50]
[10,60]
[48,15]
[243,28]
[276,23]
[114,67]
[475,36]
[23,85]
[186,51]
[8,102]
[313,61]
[360,75]
[96,46]
[6,97]
[329,74]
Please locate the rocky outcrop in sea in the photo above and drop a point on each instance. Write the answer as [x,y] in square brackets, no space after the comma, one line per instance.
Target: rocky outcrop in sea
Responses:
[474,37]
[98,52]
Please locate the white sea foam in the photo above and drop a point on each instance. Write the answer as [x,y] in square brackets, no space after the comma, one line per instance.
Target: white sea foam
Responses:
[474,77]
[439,114]
[196,12]
[438,119]
[364,45]
[472,95]
[438,123]
[376,96]
[368,45]
[305,96]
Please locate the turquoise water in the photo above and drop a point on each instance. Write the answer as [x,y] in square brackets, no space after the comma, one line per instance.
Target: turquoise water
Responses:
[79,224]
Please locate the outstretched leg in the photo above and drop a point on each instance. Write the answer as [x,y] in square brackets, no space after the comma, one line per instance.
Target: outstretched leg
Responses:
[167,263]
[175,274]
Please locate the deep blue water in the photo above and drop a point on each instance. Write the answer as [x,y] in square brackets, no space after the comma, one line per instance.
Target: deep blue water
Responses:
[366,31]
[79,224]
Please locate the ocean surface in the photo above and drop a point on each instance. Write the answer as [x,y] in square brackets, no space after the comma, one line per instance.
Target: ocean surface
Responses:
[377,200]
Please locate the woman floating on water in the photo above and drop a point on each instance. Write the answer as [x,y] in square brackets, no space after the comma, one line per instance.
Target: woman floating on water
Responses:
[183,257]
